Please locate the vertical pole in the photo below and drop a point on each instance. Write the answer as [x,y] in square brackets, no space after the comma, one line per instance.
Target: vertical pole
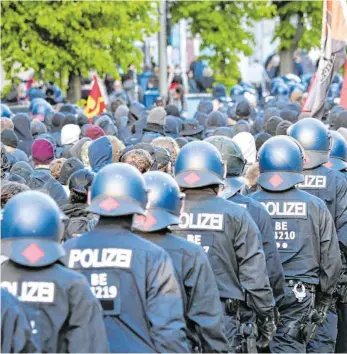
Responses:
[162,50]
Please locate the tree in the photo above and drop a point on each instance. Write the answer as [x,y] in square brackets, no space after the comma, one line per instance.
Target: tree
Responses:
[225,28]
[300,26]
[73,38]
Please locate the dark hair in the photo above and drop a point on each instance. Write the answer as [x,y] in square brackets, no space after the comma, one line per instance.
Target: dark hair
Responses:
[76,197]
[10,189]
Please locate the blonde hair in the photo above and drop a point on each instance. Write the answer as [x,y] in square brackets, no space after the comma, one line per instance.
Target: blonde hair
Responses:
[56,166]
[168,143]
[117,147]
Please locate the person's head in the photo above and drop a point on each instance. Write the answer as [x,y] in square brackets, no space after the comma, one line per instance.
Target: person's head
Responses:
[42,152]
[260,139]
[71,165]
[168,143]
[338,152]
[283,127]
[164,205]
[70,134]
[315,138]
[231,154]
[117,148]
[215,119]
[199,164]
[163,159]
[9,138]
[118,190]
[281,161]
[190,74]
[139,158]
[56,166]
[243,110]
[10,189]
[271,125]
[22,169]
[79,183]
[117,85]
[6,123]
[31,230]
[94,132]
[159,102]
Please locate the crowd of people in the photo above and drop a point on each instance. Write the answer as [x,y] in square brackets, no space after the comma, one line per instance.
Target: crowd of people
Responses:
[143,230]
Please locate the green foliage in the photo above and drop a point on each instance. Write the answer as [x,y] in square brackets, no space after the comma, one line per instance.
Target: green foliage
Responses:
[79,36]
[223,27]
[307,32]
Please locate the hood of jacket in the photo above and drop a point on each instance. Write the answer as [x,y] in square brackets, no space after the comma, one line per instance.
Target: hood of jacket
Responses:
[22,126]
[100,153]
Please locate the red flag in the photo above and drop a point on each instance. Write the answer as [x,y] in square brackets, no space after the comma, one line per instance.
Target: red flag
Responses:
[95,103]
[334,39]
[343,94]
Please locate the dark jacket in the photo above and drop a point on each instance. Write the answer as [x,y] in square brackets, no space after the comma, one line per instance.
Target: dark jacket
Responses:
[331,187]
[16,336]
[231,239]
[202,308]
[305,236]
[22,128]
[143,309]
[80,220]
[64,315]
[264,223]
[100,153]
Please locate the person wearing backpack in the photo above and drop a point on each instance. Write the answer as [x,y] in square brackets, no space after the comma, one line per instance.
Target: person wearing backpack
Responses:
[79,219]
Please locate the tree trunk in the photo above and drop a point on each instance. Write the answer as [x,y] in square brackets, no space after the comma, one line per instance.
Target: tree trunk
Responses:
[74,91]
[286,65]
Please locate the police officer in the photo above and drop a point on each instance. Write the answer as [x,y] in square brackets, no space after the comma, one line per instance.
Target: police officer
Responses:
[306,239]
[203,311]
[330,186]
[234,182]
[338,153]
[229,237]
[63,313]
[338,161]
[133,278]
[16,336]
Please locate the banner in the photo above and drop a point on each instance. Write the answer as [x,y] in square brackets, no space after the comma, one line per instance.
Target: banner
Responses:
[333,56]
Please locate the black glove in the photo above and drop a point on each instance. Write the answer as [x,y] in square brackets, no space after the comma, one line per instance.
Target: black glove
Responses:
[266,330]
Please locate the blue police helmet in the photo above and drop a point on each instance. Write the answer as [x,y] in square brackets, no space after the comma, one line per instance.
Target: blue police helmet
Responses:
[338,153]
[281,162]
[118,189]
[300,87]
[31,230]
[236,90]
[41,109]
[315,138]
[199,164]
[280,90]
[164,204]
[35,101]
[276,81]
[5,111]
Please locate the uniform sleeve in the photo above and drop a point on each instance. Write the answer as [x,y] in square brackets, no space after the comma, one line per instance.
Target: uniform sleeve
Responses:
[204,306]
[165,306]
[273,261]
[341,212]
[16,335]
[330,260]
[252,267]
[85,329]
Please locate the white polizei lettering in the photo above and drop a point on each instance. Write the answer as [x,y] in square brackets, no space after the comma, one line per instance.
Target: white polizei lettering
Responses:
[313,181]
[100,258]
[202,221]
[32,291]
[286,208]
